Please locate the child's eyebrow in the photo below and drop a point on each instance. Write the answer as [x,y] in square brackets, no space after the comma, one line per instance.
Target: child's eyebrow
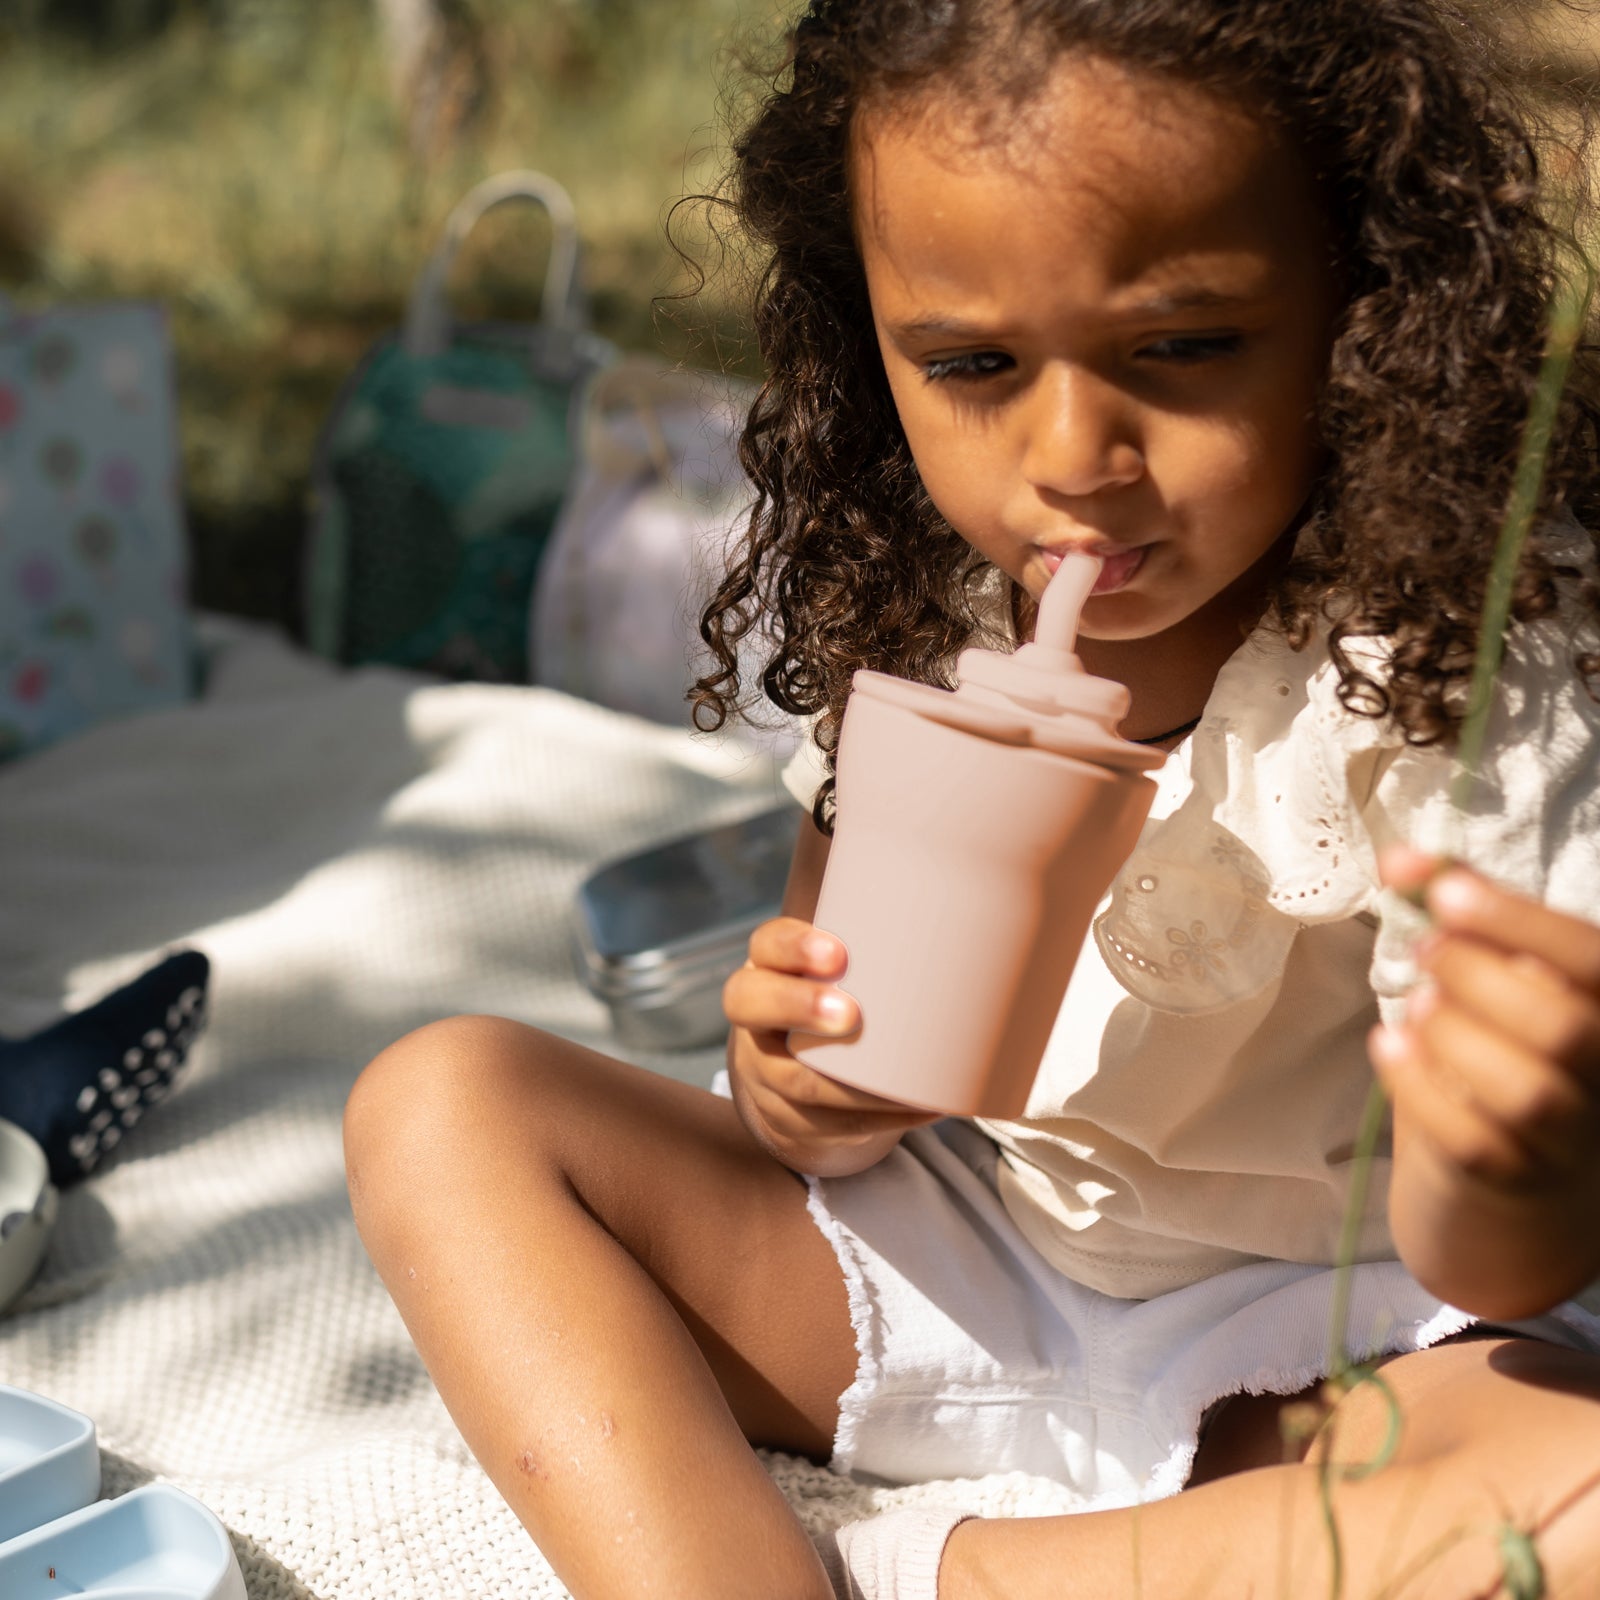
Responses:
[1170,302]
[1195,299]
[941,328]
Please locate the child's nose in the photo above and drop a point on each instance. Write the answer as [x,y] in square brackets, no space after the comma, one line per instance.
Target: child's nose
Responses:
[1080,439]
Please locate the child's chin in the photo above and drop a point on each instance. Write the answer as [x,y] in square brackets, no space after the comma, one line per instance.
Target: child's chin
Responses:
[1128,615]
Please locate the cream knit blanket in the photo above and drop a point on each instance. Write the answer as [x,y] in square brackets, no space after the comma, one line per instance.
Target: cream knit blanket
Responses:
[357,853]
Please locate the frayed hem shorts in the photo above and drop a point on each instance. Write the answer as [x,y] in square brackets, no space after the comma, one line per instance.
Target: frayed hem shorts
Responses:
[976,1356]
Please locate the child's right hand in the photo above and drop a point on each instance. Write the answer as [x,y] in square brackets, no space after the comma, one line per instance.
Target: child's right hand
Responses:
[809,1122]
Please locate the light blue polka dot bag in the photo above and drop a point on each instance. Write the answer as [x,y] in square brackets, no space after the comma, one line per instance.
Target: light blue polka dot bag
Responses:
[93,568]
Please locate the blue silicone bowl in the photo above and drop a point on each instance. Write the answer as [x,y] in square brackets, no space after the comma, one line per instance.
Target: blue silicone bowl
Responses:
[154,1543]
[49,1462]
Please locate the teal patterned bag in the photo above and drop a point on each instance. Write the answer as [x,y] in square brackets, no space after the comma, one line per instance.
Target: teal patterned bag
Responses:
[93,559]
[441,470]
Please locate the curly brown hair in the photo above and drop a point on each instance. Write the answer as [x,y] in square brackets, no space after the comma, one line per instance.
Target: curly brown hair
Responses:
[1449,261]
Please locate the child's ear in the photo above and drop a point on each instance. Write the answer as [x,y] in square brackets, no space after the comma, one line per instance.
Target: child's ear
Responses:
[79,1086]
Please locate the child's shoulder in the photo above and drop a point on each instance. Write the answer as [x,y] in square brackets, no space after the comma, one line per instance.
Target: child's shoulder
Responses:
[1272,692]
[1275,814]
[1314,780]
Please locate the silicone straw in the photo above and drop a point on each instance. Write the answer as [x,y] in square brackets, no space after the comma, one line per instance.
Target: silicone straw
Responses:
[1063,601]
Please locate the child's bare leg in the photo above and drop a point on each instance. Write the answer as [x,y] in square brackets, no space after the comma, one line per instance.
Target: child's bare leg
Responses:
[1495,1433]
[613,1288]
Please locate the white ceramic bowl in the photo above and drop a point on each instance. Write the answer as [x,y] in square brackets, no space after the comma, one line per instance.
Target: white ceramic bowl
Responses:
[27,1210]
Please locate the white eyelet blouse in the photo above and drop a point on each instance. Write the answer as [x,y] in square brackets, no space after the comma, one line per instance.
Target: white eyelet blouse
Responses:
[1198,1101]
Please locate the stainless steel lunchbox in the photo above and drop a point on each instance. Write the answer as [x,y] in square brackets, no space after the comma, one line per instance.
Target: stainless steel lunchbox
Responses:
[657,934]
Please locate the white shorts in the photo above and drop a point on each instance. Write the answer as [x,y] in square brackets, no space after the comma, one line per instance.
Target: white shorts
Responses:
[977,1357]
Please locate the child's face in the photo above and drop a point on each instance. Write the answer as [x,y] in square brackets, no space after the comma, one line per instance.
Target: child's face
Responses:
[1107,331]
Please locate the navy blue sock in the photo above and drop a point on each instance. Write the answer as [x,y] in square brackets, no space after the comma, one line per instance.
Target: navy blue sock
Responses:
[82,1083]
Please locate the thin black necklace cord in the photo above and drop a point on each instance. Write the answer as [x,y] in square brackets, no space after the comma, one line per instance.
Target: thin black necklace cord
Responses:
[1171,733]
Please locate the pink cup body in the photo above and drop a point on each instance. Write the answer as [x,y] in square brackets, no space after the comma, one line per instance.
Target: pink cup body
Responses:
[963,877]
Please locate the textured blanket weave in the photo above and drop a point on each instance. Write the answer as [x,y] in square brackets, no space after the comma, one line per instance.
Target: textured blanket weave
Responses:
[357,853]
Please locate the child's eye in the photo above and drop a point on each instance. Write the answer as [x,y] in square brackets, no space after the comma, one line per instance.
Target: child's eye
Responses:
[976,365]
[1189,349]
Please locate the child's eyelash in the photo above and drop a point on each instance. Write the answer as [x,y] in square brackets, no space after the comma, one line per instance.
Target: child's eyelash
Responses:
[979,364]
[1182,349]
[1178,350]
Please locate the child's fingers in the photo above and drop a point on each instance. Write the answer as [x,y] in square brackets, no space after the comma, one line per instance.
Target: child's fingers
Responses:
[828,1111]
[786,944]
[1436,1109]
[815,1092]
[1462,902]
[1540,1107]
[806,1119]
[810,1122]
[1410,871]
[768,1000]
[1522,998]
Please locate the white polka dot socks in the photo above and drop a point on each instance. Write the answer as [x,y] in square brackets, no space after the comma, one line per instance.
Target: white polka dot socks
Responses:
[892,1557]
[81,1084]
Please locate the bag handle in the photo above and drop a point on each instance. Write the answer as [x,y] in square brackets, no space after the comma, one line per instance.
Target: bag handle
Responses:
[637,385]
[428,321]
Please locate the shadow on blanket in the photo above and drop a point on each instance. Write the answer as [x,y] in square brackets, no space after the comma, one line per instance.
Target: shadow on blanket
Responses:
[182,819]
[356,854]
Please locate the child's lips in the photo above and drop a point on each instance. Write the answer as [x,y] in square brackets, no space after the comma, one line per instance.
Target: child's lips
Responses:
[1119,564]
[1118,570]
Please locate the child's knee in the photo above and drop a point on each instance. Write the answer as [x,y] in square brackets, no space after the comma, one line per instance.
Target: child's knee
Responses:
[415,1098]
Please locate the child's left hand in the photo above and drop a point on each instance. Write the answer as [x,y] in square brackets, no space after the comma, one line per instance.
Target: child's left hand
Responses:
[1495,1079]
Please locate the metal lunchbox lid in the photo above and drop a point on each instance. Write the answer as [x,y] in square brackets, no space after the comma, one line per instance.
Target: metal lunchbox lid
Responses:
[678,916]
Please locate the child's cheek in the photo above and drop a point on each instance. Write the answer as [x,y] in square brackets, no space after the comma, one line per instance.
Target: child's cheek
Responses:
[966,494]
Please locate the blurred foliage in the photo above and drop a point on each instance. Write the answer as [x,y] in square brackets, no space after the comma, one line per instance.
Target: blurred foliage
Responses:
[250,164]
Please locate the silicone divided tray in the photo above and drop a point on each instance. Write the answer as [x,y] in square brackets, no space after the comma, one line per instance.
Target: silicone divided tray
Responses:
[56,1539]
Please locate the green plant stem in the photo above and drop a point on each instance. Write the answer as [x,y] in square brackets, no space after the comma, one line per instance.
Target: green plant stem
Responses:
[1330,1472]
[1569,313]
[1330,1521]
[1372,1115]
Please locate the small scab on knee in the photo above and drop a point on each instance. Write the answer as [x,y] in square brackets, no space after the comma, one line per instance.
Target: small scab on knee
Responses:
[529,1466]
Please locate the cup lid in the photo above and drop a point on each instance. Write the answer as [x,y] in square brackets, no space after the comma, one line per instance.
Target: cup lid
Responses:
[1000,720]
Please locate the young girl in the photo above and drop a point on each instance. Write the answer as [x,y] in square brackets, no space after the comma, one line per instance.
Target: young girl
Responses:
[1247,298]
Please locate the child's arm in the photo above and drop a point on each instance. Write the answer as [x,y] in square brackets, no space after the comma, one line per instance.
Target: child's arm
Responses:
[1495,1078]
[809,1122]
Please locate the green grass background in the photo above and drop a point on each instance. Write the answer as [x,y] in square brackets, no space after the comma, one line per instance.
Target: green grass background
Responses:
[247,164]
